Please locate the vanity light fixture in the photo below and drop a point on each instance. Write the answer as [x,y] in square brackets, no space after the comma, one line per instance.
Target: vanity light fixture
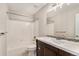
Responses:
[56,6]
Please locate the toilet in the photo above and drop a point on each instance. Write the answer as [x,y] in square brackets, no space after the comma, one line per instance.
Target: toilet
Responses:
[30,51]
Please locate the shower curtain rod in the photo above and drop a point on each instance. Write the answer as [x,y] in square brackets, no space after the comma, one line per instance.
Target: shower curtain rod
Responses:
[17,14]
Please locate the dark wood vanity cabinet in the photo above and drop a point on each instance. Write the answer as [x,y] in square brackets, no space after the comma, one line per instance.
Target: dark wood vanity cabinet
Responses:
[44,49]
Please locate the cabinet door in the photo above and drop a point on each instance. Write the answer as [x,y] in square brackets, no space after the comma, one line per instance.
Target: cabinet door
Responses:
[40,51]
[49,52]
[40,48]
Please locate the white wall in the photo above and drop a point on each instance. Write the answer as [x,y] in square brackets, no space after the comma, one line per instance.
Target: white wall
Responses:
[3,17]
[36,28]
[50,29]
[41,16]
[20,34]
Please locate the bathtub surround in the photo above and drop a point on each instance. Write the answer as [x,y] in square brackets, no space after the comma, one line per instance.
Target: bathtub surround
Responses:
[20,35]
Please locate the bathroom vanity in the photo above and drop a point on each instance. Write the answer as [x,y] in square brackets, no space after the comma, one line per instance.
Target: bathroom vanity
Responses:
[52,47]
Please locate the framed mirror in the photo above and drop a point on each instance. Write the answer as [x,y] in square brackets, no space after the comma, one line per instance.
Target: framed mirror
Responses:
[77,26]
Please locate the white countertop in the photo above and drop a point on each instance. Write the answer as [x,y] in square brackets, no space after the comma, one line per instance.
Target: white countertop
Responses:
[68,46]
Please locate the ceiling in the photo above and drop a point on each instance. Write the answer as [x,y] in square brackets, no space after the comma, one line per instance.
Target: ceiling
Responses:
[26,9]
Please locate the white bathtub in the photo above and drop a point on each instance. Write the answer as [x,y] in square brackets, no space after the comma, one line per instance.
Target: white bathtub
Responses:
[22,50]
